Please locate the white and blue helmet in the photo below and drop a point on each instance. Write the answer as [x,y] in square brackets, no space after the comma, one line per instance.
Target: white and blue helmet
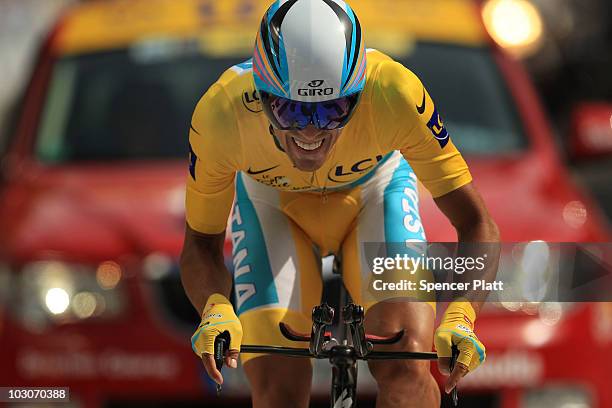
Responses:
[309,51]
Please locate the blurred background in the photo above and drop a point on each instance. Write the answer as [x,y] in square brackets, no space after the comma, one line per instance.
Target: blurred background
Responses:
[95,104]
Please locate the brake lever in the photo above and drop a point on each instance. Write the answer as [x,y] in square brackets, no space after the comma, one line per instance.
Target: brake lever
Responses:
[353,318]
[322,316]
[453,361]
[222,342]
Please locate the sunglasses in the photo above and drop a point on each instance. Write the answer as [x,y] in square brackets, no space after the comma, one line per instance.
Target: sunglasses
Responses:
[287,114]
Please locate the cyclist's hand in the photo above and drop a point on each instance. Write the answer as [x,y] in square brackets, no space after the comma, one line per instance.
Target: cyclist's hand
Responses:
[457,328]
[218,317]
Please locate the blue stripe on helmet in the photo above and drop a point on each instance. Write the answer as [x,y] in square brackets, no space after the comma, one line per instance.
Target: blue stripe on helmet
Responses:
[276,52]
[274,60]
[357,85]
[354,51]
[345,68]
[248,64]
[272,10]
[264,84]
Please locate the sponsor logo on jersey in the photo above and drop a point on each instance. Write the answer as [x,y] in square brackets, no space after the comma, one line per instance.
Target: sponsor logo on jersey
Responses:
[275,181]
[251,101]
[244,289]
[341,174]
[410,207]
[192,161]
[421,108]
[464,328]
[437,128]
[255,172]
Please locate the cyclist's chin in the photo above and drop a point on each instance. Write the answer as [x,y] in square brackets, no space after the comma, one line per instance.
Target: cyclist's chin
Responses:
[309,160]
[307,164]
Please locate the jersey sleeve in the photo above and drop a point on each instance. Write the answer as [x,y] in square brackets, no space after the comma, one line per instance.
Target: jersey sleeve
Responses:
[215,151]
[407,119]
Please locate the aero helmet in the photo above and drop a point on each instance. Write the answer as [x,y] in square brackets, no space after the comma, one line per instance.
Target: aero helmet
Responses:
[309,51]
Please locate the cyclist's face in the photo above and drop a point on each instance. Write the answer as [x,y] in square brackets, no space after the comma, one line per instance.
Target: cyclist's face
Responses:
[307,148]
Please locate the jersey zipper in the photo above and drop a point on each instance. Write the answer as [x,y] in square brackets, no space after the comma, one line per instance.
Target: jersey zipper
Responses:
[314,181]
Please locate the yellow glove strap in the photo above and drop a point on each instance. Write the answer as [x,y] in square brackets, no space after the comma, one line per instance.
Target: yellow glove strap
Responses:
[215,298]
[460,310]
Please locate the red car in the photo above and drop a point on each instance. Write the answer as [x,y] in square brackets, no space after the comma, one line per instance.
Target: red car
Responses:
[92,191]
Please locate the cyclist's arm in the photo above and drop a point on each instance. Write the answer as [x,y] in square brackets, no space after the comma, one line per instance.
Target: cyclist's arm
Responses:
[419,132]
[214,157]
[412,123]
[466,210]
[203,270]
[203,273]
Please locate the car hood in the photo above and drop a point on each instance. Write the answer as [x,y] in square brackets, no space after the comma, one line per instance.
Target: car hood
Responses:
[528,199]
[97,212]
[108,210]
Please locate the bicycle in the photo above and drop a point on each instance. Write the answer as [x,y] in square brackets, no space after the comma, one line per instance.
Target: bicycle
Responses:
[343,355]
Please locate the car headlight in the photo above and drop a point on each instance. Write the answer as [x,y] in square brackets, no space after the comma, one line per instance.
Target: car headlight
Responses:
[557,396]
[54,291]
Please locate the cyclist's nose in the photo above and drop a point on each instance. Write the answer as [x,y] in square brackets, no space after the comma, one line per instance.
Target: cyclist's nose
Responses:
[310,132]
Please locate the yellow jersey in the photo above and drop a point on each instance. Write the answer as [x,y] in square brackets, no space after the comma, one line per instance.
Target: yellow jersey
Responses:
[230,133]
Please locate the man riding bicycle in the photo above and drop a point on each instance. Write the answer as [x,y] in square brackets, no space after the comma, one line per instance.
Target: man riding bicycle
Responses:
[322,157]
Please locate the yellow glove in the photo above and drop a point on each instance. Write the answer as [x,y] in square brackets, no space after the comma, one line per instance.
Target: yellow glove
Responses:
[457,327]
[218,317]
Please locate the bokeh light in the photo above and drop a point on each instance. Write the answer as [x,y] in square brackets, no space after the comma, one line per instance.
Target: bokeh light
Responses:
[57,300]
[514,24]
[108,274]
[575,214]
[84,304]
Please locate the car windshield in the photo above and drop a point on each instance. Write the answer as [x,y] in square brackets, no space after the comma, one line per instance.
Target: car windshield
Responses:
[137,104]
[471,96]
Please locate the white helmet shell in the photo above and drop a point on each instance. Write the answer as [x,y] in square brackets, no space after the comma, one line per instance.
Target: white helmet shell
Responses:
[310,51]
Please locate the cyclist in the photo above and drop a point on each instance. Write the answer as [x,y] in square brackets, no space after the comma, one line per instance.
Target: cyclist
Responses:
[319,143]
